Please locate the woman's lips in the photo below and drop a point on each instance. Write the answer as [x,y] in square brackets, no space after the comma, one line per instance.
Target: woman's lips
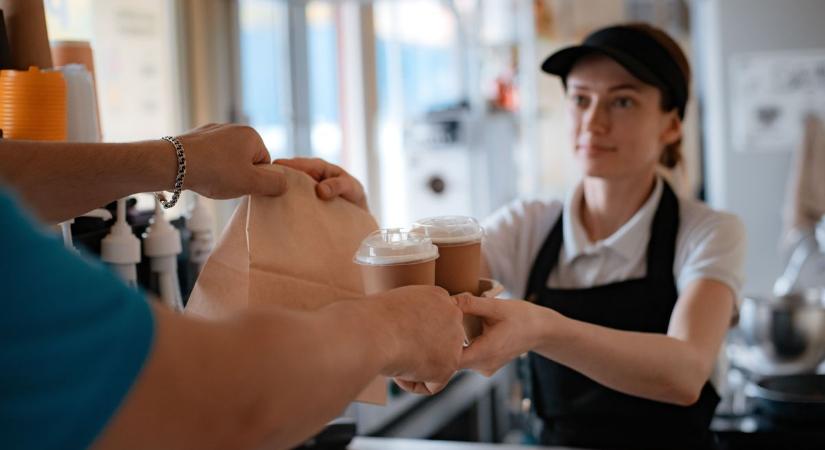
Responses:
[595,149]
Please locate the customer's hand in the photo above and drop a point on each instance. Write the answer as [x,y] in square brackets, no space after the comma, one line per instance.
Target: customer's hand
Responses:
[333,181]
[424,337]
[228,161]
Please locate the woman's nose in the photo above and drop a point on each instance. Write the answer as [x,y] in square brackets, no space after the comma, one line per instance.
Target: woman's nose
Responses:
[596,119]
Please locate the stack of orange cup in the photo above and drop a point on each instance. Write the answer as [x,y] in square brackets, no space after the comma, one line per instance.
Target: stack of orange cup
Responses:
[33,105]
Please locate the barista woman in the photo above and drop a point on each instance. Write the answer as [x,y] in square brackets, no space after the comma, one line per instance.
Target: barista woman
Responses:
[629,288]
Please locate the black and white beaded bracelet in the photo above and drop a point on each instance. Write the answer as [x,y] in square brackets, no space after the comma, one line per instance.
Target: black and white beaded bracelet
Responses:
[178,178]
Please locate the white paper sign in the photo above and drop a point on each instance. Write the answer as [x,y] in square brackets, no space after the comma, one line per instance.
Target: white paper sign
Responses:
[771,93]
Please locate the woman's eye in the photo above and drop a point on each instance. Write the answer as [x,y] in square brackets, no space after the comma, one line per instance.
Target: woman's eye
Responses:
[579,100]
[623,102]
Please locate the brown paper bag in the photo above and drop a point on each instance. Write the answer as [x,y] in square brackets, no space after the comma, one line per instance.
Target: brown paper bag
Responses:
[294,251]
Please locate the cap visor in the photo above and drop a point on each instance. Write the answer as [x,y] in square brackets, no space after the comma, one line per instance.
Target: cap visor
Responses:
[561,62]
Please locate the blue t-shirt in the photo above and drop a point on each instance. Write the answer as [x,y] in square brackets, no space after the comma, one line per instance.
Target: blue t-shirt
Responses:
[73,338]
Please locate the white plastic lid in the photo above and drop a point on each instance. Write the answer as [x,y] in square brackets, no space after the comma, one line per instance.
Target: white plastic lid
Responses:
[395,246]
[450,229]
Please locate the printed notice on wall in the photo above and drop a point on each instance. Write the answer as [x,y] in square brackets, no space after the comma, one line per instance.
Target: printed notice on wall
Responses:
[771,93]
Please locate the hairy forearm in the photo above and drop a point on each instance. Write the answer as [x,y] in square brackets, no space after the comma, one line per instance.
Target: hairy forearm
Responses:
[61,180]
[265,377]
[648,365]
[338,353]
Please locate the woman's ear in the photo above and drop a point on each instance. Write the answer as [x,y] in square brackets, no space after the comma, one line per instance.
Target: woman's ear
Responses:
[671,128]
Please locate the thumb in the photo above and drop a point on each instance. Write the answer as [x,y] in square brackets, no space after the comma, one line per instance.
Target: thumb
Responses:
[479,306]
[268,180]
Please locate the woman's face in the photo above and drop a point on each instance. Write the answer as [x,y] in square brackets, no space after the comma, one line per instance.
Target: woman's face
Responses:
[617,124]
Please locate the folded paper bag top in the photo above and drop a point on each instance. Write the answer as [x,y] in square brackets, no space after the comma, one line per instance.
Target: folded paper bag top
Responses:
[294,251]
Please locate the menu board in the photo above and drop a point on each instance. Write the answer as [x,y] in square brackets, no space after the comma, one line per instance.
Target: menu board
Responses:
[771,94]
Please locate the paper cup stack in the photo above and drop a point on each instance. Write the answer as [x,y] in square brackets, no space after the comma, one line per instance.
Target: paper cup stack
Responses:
[33,105]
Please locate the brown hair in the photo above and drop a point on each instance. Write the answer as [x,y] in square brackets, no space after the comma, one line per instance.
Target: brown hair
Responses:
[672,154]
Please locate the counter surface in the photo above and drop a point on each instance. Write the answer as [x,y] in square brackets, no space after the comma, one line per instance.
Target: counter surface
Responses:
[364,443]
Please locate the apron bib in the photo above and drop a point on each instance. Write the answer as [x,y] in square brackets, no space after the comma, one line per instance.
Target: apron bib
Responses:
[577,411]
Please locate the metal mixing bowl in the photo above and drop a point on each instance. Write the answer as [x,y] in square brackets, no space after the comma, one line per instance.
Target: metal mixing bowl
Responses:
[787,332]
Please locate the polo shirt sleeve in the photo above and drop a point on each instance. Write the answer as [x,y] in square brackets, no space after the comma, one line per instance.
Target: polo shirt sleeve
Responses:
[715,249]
[73,338]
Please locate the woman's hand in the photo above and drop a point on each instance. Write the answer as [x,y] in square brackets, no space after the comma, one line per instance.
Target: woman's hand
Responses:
[333,181]
[510,328]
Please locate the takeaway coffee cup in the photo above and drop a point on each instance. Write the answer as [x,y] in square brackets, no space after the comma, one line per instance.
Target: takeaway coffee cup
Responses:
[458,239]
[394,257]
[458,267]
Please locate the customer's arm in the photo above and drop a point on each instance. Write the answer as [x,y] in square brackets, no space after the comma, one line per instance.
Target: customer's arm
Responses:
[271,377]
[61,180]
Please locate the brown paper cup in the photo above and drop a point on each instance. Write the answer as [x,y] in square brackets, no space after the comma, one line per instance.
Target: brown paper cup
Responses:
[395,257]
[378,278]
[458,266]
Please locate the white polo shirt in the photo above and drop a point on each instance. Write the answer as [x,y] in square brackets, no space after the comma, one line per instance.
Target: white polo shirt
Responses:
[710,244]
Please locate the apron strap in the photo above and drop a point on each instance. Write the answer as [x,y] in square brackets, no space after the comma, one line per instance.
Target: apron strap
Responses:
[545,261]
[663,233]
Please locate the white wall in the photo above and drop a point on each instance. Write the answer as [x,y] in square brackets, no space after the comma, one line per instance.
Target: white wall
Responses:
[749,184]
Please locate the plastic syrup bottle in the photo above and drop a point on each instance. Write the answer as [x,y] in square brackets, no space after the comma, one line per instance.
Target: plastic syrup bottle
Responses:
[120,248]
[202,242]
[162,245]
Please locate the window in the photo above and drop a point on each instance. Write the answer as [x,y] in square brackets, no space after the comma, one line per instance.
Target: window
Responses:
[264,71]
[421,68]
[292,97]
[324,81]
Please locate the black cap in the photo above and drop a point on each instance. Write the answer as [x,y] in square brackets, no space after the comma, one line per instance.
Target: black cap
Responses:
[646,52]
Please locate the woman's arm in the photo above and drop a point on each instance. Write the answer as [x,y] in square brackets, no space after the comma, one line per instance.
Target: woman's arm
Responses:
[670,368]
[273,377]
[61,180]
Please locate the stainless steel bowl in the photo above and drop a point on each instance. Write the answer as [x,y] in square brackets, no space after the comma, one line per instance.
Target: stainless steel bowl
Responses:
[787,332]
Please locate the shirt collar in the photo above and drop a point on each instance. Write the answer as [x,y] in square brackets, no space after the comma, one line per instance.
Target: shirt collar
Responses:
[625,241]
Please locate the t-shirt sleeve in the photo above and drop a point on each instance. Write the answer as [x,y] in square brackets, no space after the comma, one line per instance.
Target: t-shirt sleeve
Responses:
[73,338]
[716,251]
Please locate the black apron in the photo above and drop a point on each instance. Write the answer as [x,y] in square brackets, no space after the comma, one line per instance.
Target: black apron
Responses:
[577,411]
